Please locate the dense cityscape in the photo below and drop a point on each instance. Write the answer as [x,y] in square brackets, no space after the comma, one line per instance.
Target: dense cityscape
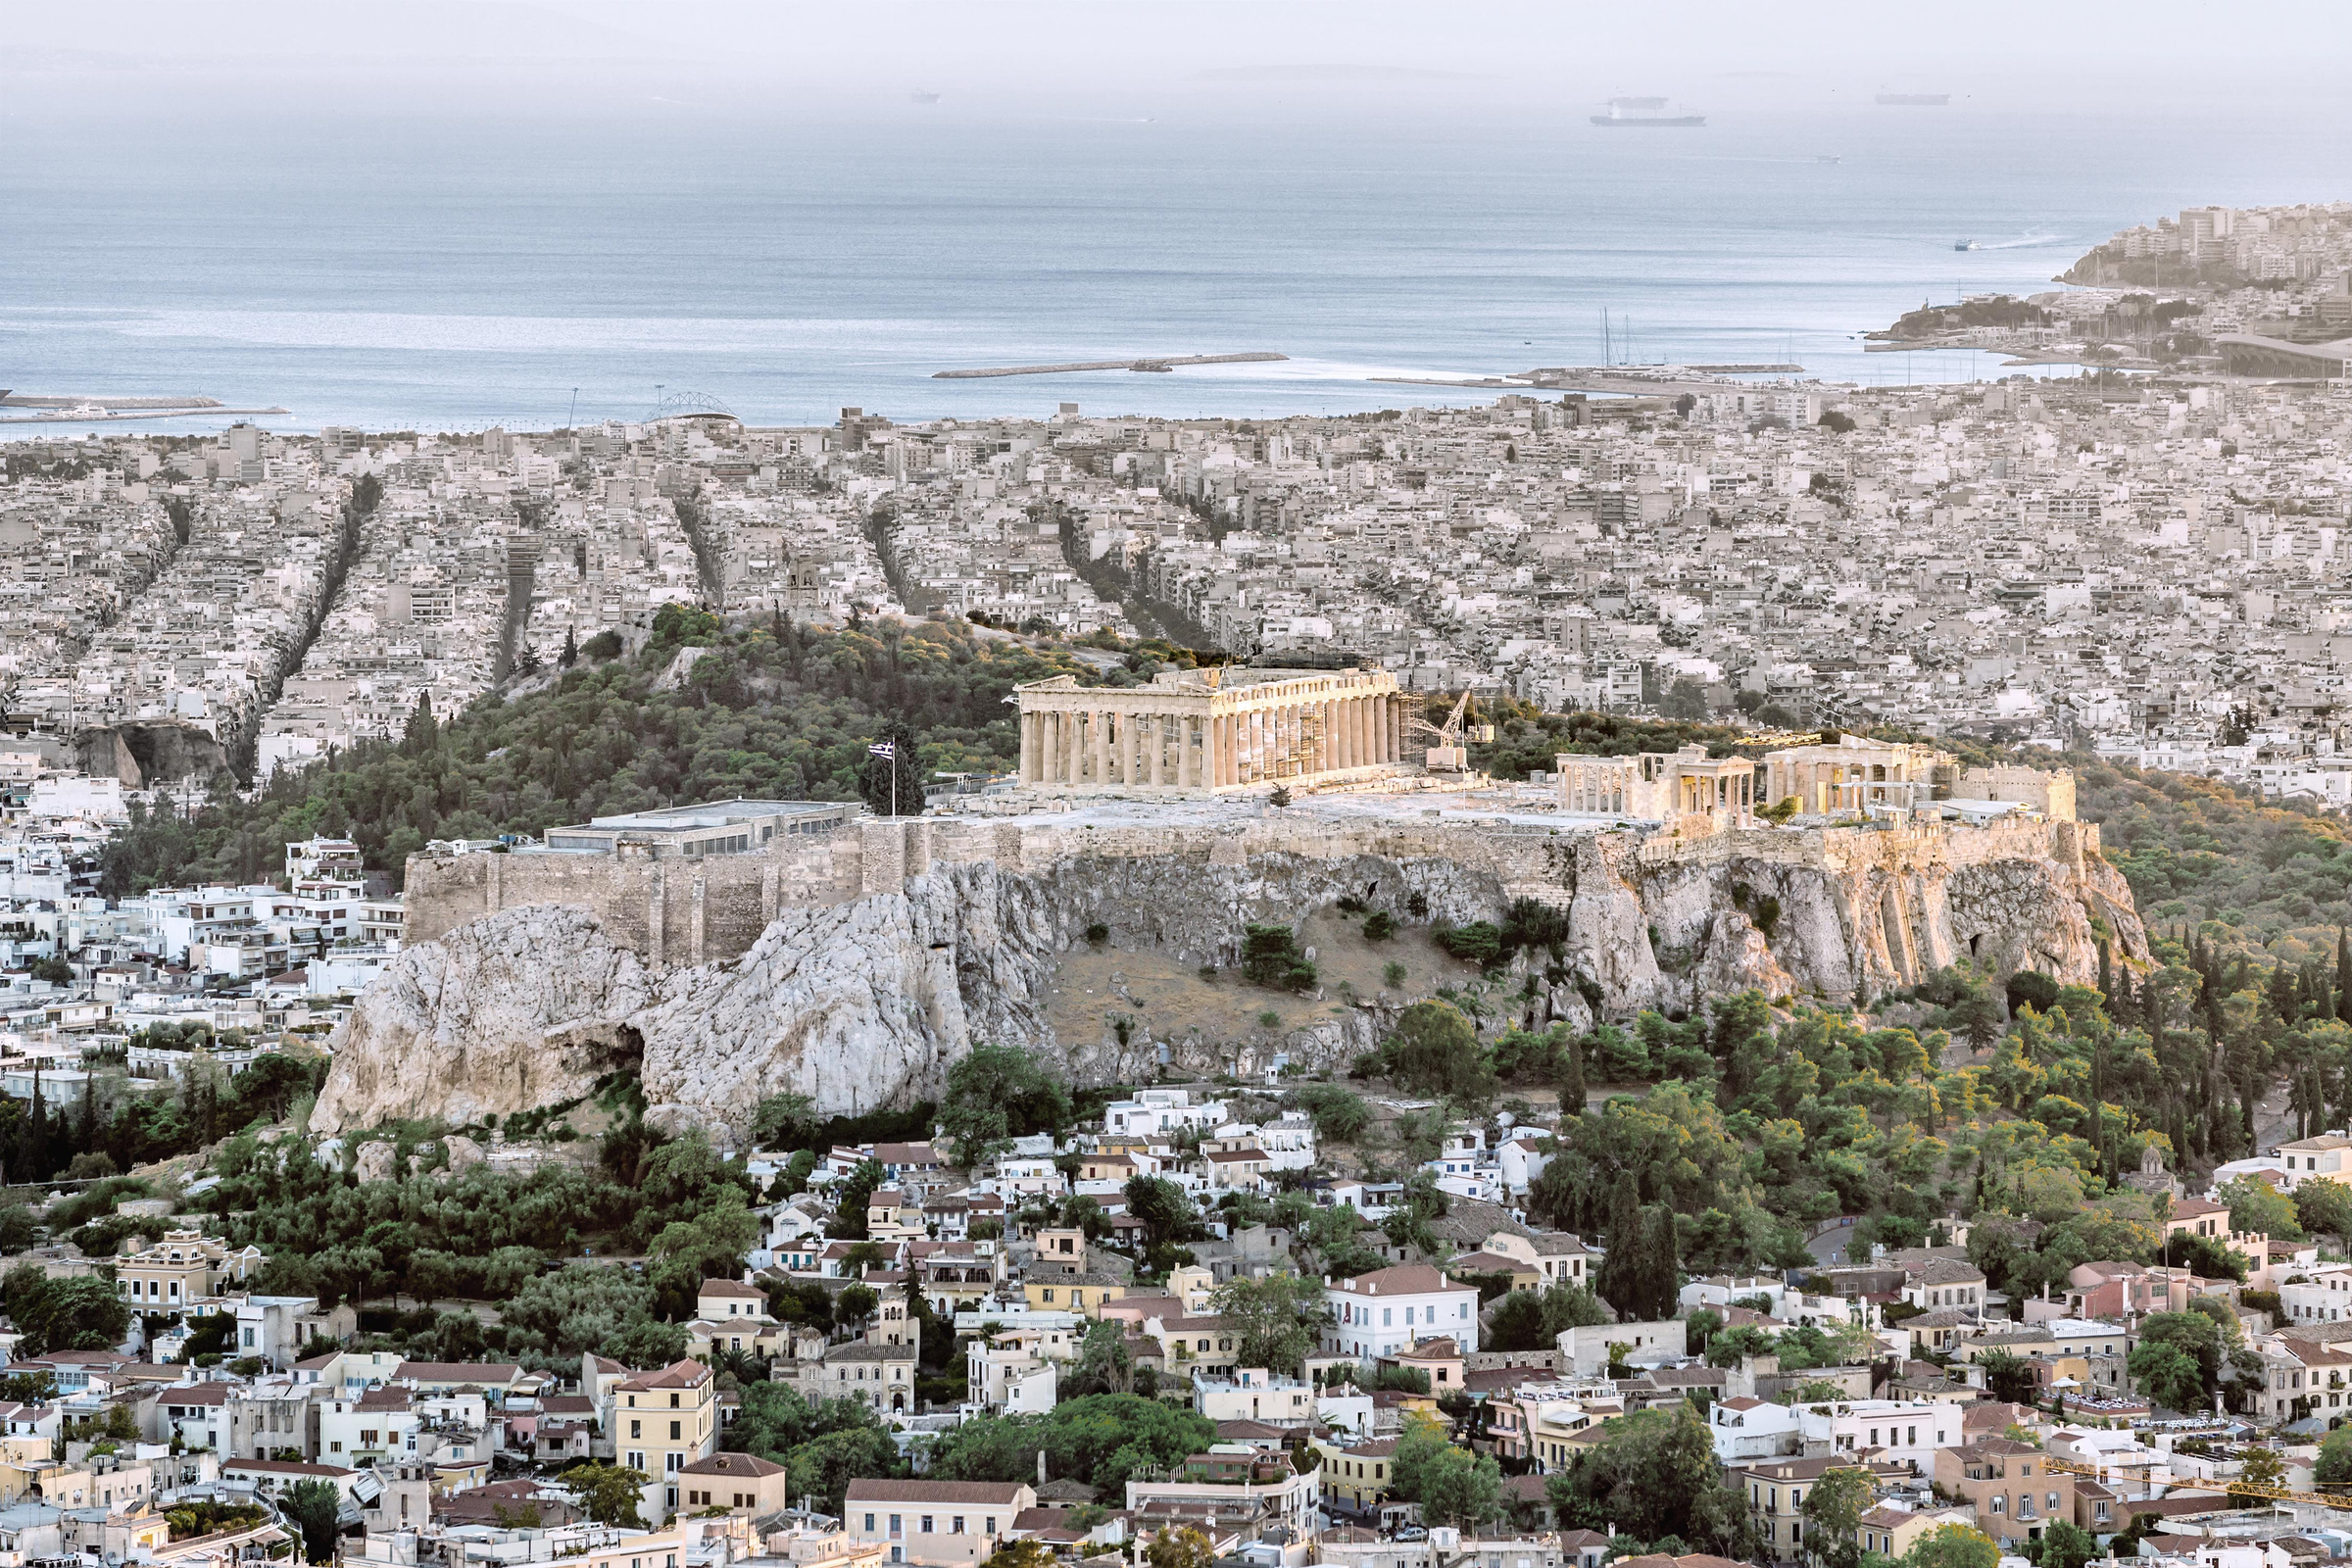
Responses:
[1746,970]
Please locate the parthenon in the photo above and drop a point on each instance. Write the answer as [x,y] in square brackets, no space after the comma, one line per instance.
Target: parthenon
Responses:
[1196,732]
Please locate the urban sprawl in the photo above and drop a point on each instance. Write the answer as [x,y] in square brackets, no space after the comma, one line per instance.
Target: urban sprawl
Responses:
[1271,1322]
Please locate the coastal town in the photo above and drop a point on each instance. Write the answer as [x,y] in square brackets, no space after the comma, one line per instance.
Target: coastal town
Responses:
[1256,1109]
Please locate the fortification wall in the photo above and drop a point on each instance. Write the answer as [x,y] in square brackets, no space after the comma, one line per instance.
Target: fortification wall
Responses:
[678,911]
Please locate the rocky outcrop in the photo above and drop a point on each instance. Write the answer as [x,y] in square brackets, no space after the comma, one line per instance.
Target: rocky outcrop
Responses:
[865,1003]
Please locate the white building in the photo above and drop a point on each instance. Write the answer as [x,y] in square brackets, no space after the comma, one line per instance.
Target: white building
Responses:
[1252,1394]
[1392,1310]
[1155,1111]
[1910,1431]
[1745,1427]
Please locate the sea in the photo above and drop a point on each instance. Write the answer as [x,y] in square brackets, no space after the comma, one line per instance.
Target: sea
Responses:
[453,274]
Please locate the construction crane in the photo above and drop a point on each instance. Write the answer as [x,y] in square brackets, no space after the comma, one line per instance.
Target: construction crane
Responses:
[2235,1488]
[1447,753]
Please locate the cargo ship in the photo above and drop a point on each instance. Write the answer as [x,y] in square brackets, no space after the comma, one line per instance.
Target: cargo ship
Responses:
[1644,112]
[1916,100]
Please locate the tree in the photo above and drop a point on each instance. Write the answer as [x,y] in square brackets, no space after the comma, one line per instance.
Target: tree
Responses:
[2260,1467]
[1435,1052]
[1953,1547]
[313,1507]
[2334,1466]
[1452,1486]
[1653,1474]
[995,1094]
[2008,1377]
[1026,1552]
[1532,1320]
[2206,1257]
[81,1313]
[1166,1212]
[824,1466]
[2324,1208]
[570,655]
[2169,1375]
[785,1121]
[855,1304]
[1272,957]
[1278,1318]
[850,1199]
[1104,1364]
[1833,1507]
[1182,1547]
[607,1493]
[1103,1438]
[2258,1207]
[1619,1280]
[1339,1113]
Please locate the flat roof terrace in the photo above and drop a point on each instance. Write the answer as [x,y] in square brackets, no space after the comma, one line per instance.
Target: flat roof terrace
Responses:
[712,827]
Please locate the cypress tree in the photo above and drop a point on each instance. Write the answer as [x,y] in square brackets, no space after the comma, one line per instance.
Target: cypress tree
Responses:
[1572,1080]
[2343,976]
[2099,1105]
[2107,976]
[1661,1270]
[1620,1281]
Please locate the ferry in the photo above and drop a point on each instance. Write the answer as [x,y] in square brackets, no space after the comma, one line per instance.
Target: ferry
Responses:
[1644,112]
[1966,245]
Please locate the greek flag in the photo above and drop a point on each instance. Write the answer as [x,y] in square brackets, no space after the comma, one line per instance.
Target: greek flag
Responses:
[884,749]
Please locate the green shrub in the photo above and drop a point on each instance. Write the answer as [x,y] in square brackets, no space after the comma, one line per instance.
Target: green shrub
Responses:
[1477,943]
[1270,957]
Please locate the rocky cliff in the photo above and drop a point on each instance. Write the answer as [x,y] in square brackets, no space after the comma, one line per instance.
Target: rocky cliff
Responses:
[864,1002]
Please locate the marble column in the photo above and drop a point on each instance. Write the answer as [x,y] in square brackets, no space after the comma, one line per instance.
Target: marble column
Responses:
[1075,723]
[1030,726]
[1100,721]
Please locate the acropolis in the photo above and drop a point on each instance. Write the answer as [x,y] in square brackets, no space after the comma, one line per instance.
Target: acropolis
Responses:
[1196,732]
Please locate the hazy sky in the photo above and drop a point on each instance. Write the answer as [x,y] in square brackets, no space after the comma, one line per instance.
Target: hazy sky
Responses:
[194,62]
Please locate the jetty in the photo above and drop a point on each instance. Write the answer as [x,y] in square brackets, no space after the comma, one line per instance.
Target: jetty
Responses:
[1148,364]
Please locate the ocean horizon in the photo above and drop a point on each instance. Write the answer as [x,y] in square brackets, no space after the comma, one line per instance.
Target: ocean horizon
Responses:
[456,274]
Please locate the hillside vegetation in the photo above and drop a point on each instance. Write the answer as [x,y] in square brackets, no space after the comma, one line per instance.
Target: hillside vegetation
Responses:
[771,709]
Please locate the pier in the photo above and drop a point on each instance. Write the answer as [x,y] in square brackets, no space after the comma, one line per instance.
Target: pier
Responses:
[1146,365]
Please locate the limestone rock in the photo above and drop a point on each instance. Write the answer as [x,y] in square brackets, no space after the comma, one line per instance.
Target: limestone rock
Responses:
[865,1004]
[522,1010]
[374,1161]
[464,1153]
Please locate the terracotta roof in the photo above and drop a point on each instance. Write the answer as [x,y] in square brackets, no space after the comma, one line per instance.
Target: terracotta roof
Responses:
[677,1375]
[1406,1279]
